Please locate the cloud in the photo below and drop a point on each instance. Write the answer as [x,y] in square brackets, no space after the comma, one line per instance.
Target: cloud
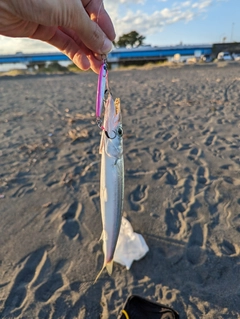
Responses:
[154,22]
[186,4]
[134,1]
[202,4]
[12,45]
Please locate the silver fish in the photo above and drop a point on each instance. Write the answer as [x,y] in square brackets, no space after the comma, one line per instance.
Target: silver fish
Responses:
[112,179]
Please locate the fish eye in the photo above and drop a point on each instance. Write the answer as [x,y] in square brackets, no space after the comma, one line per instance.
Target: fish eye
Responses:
[120,131]
[106,92]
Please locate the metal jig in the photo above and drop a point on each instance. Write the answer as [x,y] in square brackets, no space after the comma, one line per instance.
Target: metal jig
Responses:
[102,86]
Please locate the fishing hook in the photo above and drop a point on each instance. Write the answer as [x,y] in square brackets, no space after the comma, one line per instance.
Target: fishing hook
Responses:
[111,138]
[99,124]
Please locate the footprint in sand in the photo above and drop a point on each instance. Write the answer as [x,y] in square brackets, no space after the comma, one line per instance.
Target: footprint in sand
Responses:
[209,140]
[46,290]
[188,189]
[167,136]
[25,189]
[172,221]
[202,178]
[160,172]
[164,136]
[156,156]
[194,154]
[165,294]
[52,209]
[137,197]
[45,312]
[227,248]
[70,225]
[203,174]
[194,151]
[197,236]
[25,277]
[195,254]
[171,178]
[211,136]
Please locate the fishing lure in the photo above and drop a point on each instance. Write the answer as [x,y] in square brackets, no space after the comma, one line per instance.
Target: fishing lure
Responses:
[102,86]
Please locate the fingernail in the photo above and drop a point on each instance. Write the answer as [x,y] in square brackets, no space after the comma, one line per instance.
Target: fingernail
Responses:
[107,46]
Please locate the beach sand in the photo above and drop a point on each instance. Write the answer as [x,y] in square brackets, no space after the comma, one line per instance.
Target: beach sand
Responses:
[182,181]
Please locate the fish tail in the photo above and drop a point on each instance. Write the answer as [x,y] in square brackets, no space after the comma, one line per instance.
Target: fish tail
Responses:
[108,266]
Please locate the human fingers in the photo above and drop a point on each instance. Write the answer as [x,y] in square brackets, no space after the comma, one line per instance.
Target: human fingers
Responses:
[97,13]
[90,32]
[95,64]
[68,42]
[77,52]
[95,60]
[69,14]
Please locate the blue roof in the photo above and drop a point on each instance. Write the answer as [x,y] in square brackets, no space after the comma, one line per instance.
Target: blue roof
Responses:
[116,55]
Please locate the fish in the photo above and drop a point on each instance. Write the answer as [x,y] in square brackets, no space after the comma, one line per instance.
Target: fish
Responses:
[111,180]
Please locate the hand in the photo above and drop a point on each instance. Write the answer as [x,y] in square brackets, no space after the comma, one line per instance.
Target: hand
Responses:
[81,29]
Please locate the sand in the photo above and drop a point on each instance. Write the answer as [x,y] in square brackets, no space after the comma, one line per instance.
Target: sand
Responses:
[182,182]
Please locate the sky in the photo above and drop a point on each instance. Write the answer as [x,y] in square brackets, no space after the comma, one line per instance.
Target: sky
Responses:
[162,22]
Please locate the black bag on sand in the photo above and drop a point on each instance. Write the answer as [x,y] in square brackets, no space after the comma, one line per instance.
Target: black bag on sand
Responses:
[137,307]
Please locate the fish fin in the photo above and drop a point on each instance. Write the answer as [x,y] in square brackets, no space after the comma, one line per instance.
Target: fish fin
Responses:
[99,274]
[101,237]
[101,143]
[109,267]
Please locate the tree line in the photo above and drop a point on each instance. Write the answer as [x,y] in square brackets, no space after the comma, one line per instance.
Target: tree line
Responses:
[132,39]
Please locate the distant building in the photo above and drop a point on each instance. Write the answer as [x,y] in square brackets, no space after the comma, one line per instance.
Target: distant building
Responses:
[233,47]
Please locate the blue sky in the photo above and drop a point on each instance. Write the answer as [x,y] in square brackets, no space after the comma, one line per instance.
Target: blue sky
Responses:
[169,22]
[162,22]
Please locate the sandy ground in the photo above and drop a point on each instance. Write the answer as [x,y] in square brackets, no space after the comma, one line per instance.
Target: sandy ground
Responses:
[182,160]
